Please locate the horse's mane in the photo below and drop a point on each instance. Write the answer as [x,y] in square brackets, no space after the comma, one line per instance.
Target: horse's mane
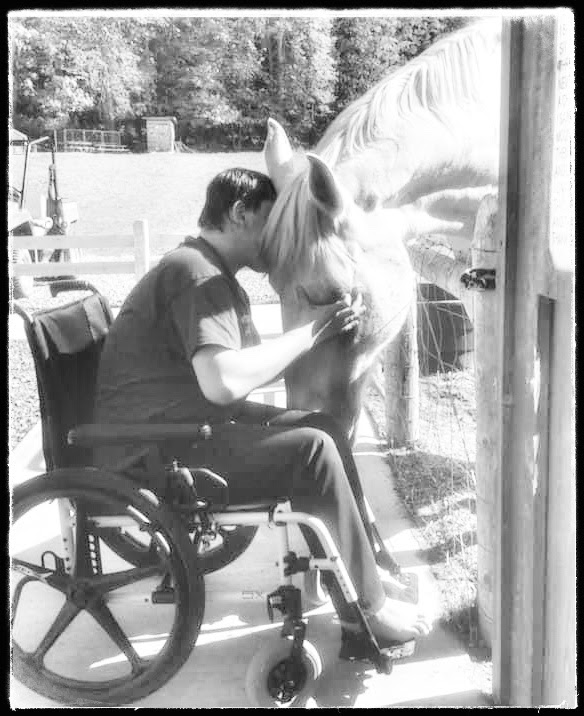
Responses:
[297,234]
[434,84]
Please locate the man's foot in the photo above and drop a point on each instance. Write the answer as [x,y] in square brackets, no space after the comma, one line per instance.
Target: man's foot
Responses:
[395,622]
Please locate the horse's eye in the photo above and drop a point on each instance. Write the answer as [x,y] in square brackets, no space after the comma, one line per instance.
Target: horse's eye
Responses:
[333,297]
[303,296]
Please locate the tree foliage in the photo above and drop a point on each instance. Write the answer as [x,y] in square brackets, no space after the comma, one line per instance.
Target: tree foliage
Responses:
[299,69]
[64,68]
[204,67]
[207,71]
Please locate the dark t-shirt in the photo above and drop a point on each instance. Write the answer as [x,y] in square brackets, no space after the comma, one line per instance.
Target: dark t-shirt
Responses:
[188,300]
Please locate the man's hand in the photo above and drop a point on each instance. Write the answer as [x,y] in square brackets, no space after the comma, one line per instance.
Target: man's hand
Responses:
[226,375]
[338,318]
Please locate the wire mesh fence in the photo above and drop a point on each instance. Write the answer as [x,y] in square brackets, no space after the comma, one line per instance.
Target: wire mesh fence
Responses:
[435,474]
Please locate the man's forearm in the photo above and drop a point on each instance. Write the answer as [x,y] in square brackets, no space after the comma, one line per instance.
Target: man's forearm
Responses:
[250,368]
[229,375]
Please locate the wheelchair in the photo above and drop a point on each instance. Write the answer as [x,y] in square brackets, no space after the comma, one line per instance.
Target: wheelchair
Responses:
[98,548]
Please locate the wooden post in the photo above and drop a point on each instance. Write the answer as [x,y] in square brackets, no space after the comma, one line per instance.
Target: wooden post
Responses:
[560,599]
[486,253]
[534,654]
[444,270]
[402,373]
[141,248]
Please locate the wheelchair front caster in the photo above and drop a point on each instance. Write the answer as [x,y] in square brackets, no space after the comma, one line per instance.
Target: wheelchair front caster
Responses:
[276,679]
[315,593]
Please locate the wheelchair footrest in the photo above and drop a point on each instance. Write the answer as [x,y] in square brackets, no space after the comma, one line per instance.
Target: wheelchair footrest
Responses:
[358,646]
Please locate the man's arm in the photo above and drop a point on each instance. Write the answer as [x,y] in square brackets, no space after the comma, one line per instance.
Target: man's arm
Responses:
[226,375]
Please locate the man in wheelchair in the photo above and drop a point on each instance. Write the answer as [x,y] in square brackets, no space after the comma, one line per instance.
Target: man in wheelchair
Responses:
[184,349]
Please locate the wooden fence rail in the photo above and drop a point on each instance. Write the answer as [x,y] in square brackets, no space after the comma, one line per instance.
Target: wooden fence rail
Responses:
[138,241]
[90,140]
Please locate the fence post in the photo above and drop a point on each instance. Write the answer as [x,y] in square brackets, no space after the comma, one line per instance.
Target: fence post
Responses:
[486,253]
[402,385]
[141,248]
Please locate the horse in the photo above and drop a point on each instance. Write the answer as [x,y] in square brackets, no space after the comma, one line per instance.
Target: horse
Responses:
[412,157]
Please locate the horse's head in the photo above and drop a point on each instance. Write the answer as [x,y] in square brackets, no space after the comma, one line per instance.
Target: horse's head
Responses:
[319,245]
[410,158]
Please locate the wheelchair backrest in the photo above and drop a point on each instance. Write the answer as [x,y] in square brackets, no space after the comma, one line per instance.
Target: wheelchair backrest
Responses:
[66,344]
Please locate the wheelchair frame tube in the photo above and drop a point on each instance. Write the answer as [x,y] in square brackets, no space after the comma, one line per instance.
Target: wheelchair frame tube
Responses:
[282,517]
[67,533]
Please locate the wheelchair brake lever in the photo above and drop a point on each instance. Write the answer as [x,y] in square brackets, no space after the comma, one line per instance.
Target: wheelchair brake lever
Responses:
[216,479]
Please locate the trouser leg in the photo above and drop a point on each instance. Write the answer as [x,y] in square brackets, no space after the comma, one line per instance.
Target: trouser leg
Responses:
[301,464]
[278,417]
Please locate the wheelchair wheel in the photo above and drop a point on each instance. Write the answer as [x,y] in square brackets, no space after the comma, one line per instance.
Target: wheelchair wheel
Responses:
[229,544]
[270,683]
[89,628]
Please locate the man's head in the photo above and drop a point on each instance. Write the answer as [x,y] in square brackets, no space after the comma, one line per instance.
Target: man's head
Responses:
[236,210]
[246,186]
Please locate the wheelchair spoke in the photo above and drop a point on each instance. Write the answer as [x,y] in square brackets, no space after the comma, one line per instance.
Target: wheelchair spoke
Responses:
[102,614]
[42,574]
[67,613]
[107,597]
[103,583]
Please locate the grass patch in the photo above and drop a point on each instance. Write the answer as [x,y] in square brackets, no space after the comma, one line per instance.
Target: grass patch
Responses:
[436,482]
[112,191]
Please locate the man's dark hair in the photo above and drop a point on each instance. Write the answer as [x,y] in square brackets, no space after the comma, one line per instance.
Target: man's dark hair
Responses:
[245,185]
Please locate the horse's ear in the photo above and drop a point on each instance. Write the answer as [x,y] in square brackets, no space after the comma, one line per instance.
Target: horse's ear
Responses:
[278,155]
[324,188]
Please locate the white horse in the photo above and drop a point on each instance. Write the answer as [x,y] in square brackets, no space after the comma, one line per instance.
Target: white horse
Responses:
[412,157]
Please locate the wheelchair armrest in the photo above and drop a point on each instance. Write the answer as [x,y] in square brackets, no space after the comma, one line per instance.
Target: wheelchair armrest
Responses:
[101,434]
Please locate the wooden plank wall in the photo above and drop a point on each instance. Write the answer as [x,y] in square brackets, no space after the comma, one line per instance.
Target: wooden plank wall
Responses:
[138,241]
[534,627]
